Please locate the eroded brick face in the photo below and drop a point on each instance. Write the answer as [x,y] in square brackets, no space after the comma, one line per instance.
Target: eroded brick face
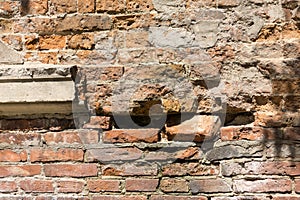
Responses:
[170,100]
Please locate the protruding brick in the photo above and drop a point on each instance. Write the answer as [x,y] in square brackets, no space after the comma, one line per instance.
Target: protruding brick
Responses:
[41,186]
[71,170]
[210,186]
[141,185]
[8,186]
[20,170]
[266,185]
[104,185]
[12,156]
[47,155]
[68,186]
[113,154]
[174,185]
[131,135]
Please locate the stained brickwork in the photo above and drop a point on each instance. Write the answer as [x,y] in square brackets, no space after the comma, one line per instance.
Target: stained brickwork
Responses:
[184,100]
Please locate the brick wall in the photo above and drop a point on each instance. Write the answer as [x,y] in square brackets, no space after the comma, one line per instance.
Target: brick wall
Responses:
[173,99]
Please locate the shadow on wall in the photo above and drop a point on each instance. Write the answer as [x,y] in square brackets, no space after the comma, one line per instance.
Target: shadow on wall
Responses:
[24,6]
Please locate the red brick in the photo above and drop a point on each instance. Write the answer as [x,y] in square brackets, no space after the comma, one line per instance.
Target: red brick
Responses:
[34,7]
[71,137]
[297,185]
[64,6]
[141,185]
[192,169]
[241,133]
[47,155]
[12,156]
[266,185]
[69,186]
[119,197]
[48,57]
[172,197]
[81,41]
[104,185]
[265,168]
[41,186]
[19,170]
[113,154]
[130,169]
[110,5]
[71,170]
[139,5]
[22,139]
[8,186]
[289,197]
[174,185]
[98,122]
[86,6]
[209,186]
[131,135]
[9,8]
[52,42]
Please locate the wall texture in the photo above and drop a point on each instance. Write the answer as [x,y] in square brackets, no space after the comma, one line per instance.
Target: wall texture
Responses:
[150,99]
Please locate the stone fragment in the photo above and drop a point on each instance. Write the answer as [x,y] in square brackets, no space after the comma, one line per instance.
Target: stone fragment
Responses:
[9,56]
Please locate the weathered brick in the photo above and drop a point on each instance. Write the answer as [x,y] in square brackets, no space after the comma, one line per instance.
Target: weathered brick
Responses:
[192,169]
[266,185]
[6,26]
[98,122]
[131,135]
[8,186]
[41,186]
[19,170]
[187,131]
[9,9]
[277,119]
[103,185]
[48,155]
[34,7]
[86,6]
[228,3]
[110,5]
[289,197]
[141,185]
[172,197]
[71,170]
[137,38]
[119,197]
[68,186]
[22,139]
[297,185]
[266,168]
[130,169]
[174,185]
[12,156]
[52,42]
[82,41]
[13,41]
[64,6]
[113,154]
[210,186]
[48,57]
[139,5]
[71,137]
